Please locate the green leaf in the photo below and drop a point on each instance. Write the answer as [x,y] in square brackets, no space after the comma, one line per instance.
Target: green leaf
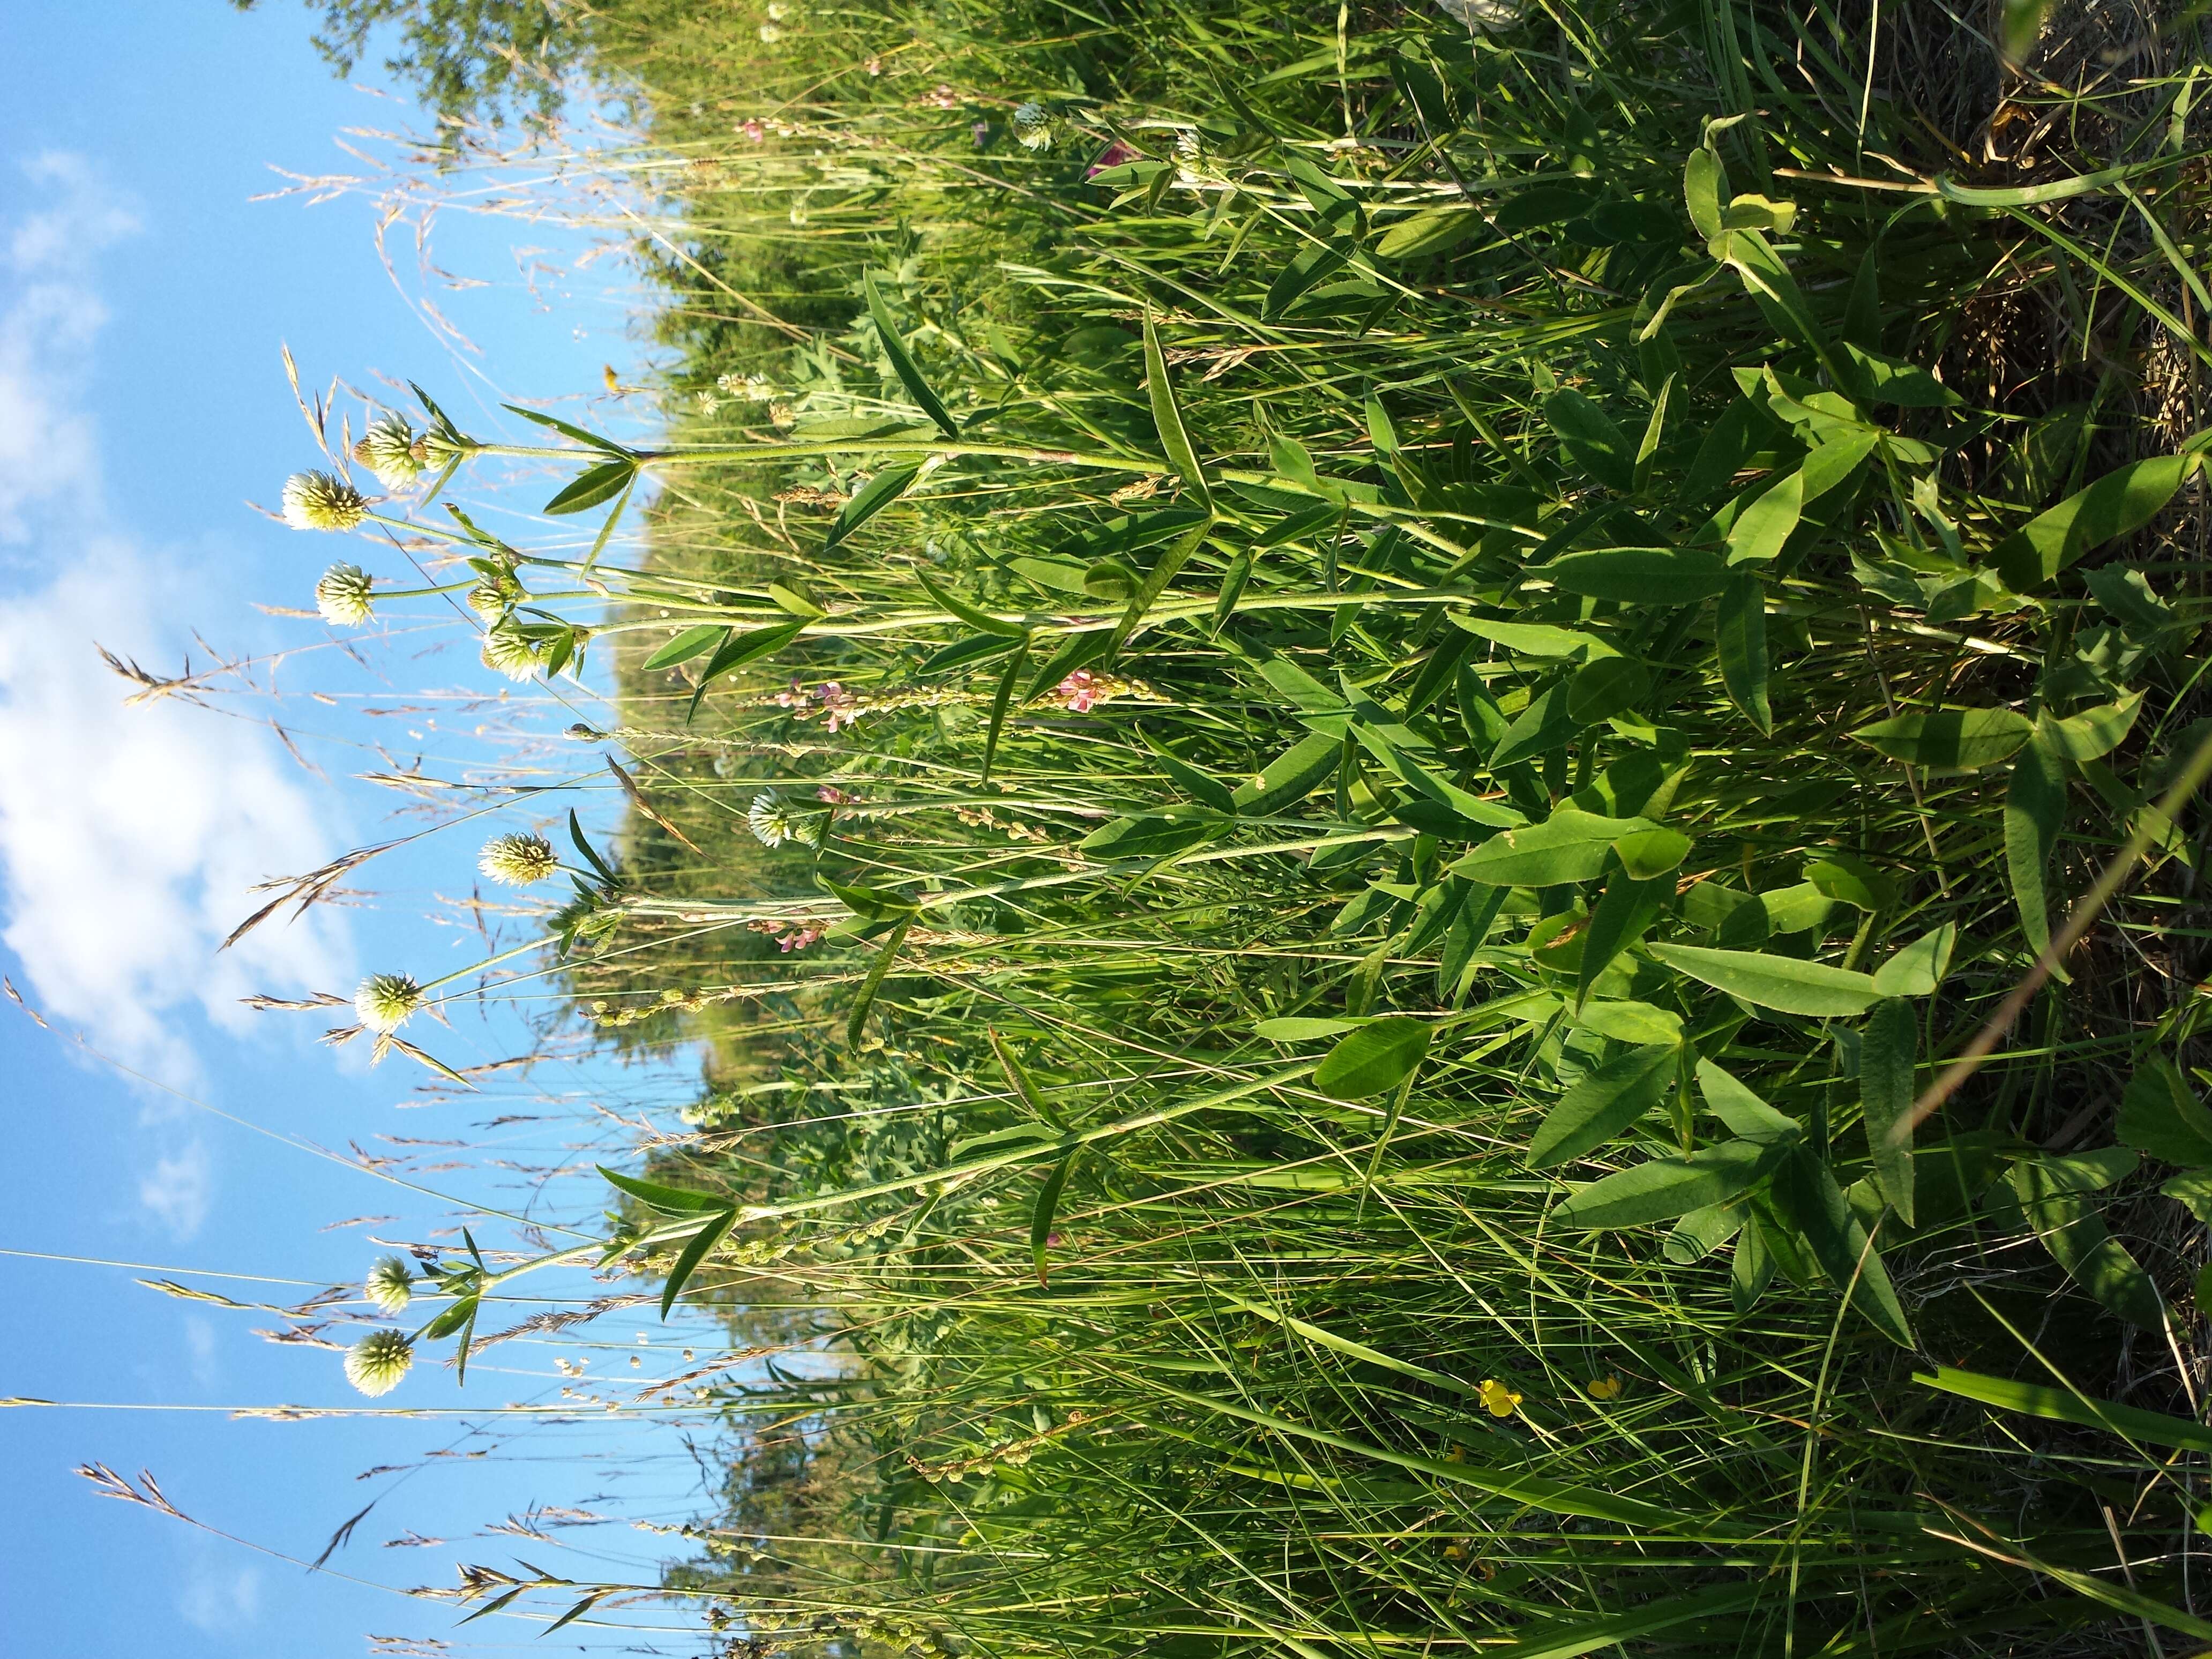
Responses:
[873,498]
[1546,724]
[2064,1406]
[1534,639]
[1650,853]
[1919,967]
[670,1201]
[1888,1050]
[1167,419]
[1606,1102]
[701,1244]
[1850,880]
[1765,524]
[1740,628]
[1640,576]
[1001,700]
[2034,814]
[2051,1196]
[1154,835]
[1592,440]
[973,616]
[451,1319]
[588,488]
[909,372]
[1665,1188]
[857,1021]
[1609,686]
[2094,733]
[1812,989]
[1375,1059]
[1949,739]
[1048,1206]
[745,649]
[684,647]
[553,423]
[1632,902]
[1291,776]
[1637,1022]
[1743,1112]
[1570,846]
[1163,571]
[1902,385]
[1304,1029]
[2194,1188]
[1438,230]
[1807,1196]
[1705,189]
[2118,502]
[2161,1116]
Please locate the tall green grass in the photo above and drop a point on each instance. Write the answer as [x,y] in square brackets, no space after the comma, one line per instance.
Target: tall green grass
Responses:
[1431,795]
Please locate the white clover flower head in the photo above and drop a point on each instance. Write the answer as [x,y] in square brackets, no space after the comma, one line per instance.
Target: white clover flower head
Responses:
[1035,127]
[518,861]
[769,34]
[385,1000]
[772,822]
[508,652]
[343,595]
[489,599]
[322,501]
[1485,16]
[777,11]
[391,449]
[376,1362]
[390,1284]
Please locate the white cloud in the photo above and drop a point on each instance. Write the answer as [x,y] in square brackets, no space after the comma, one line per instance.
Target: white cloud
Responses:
[178,1189]
[218,1599]
[200,1343]
[129,836]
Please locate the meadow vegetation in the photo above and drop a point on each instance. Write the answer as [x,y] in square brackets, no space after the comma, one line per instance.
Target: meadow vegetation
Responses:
[1422,777]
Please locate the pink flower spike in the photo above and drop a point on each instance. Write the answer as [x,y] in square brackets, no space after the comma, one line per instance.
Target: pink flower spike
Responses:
[1113,156]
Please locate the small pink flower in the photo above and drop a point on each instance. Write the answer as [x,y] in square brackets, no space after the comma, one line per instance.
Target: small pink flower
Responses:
[833,795]
[1113,156]
[799,940]
[941,97]
[754,130]
[1078,692]
[981,132]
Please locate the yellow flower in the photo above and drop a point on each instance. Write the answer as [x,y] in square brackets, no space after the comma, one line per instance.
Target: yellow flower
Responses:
[1606,1388]
[1496,1399]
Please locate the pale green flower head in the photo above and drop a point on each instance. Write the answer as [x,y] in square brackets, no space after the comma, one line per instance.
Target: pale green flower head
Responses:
[1035,127]
[344,597]
[390,1284]
[772,822]
[376,1362]
[506,650]
[385,1000]
[518,861]
[391,449]
[322,501]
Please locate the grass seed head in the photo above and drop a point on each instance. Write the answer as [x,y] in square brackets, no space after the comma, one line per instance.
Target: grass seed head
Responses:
[343,595]
[376,1362]
[518,861]
[390,1284]
[385,1000]
[322,501]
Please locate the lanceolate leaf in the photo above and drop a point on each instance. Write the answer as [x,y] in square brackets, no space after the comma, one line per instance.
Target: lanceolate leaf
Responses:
[2064,1406]
[599,483]
[1949,739]
[873,498]
[1174,442]
[1628,908]
[2051,1196]
[1665,1188]
[1773,981]
[2116,503]
[858,1020]
[2161,1116]
[691,642]
[1919,967]
[1740,622]
[1888,1050]
[1041,1217]
[908,371]
[671,1200]
[1375,1059]
[696,1250]
[2034,813]
[1570,846]
[1602,1104]
[1807,1195]
[1640,576]
[745,649]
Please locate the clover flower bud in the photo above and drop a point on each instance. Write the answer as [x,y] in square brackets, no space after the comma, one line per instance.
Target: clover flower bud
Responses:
[518,861]
[376,1362]
[344,596]
[391,449]
[322,501]
[507,651]
[385,1000]
[769,34]
[390,1284]
[1035,127]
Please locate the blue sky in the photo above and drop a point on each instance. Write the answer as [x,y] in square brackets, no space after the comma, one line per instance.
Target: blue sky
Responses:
[143,297]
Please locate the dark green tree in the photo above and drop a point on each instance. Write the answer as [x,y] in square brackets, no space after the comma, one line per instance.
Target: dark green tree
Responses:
[493,60]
